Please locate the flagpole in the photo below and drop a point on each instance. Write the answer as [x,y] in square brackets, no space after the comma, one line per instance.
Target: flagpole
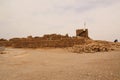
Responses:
[84,26]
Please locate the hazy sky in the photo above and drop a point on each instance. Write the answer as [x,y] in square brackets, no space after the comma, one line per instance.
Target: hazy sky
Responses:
[21,18]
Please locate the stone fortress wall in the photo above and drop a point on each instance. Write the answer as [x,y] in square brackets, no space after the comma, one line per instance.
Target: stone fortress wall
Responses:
[49,40]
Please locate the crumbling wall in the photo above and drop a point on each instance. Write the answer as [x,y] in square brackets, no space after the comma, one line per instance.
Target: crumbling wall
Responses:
[4,42]
[82,33]
[48,40]
[66,42]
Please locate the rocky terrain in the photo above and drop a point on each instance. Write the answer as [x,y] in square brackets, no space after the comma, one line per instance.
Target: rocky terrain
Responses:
[92,46]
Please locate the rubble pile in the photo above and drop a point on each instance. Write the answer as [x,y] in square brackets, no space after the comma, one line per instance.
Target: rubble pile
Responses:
[95,46]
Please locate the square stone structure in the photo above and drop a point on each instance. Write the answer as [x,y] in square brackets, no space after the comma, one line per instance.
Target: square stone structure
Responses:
[82,33]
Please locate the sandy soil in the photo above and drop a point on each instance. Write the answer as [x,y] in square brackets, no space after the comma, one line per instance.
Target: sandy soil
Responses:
[58,64]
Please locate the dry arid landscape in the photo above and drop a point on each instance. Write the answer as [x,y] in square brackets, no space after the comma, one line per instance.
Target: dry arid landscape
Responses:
[58,64]
[59,57]
[59,39]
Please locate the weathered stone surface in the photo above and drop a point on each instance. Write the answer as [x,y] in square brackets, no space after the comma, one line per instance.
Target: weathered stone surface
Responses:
[95,46]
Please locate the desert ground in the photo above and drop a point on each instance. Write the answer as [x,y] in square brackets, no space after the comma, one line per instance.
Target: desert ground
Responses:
[58,64]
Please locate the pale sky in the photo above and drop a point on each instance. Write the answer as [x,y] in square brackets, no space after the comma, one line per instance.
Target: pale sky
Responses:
[21,18]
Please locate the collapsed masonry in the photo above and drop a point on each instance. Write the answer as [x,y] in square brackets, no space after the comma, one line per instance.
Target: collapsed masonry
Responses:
[92,46]
[82,33]
[50,40]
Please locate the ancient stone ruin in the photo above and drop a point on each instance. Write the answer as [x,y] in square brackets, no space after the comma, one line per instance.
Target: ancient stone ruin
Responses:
[82,33]
[79,44]
[48,40]
[92,46]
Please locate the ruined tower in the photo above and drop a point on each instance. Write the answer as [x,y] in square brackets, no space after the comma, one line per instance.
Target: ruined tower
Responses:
[82,33]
